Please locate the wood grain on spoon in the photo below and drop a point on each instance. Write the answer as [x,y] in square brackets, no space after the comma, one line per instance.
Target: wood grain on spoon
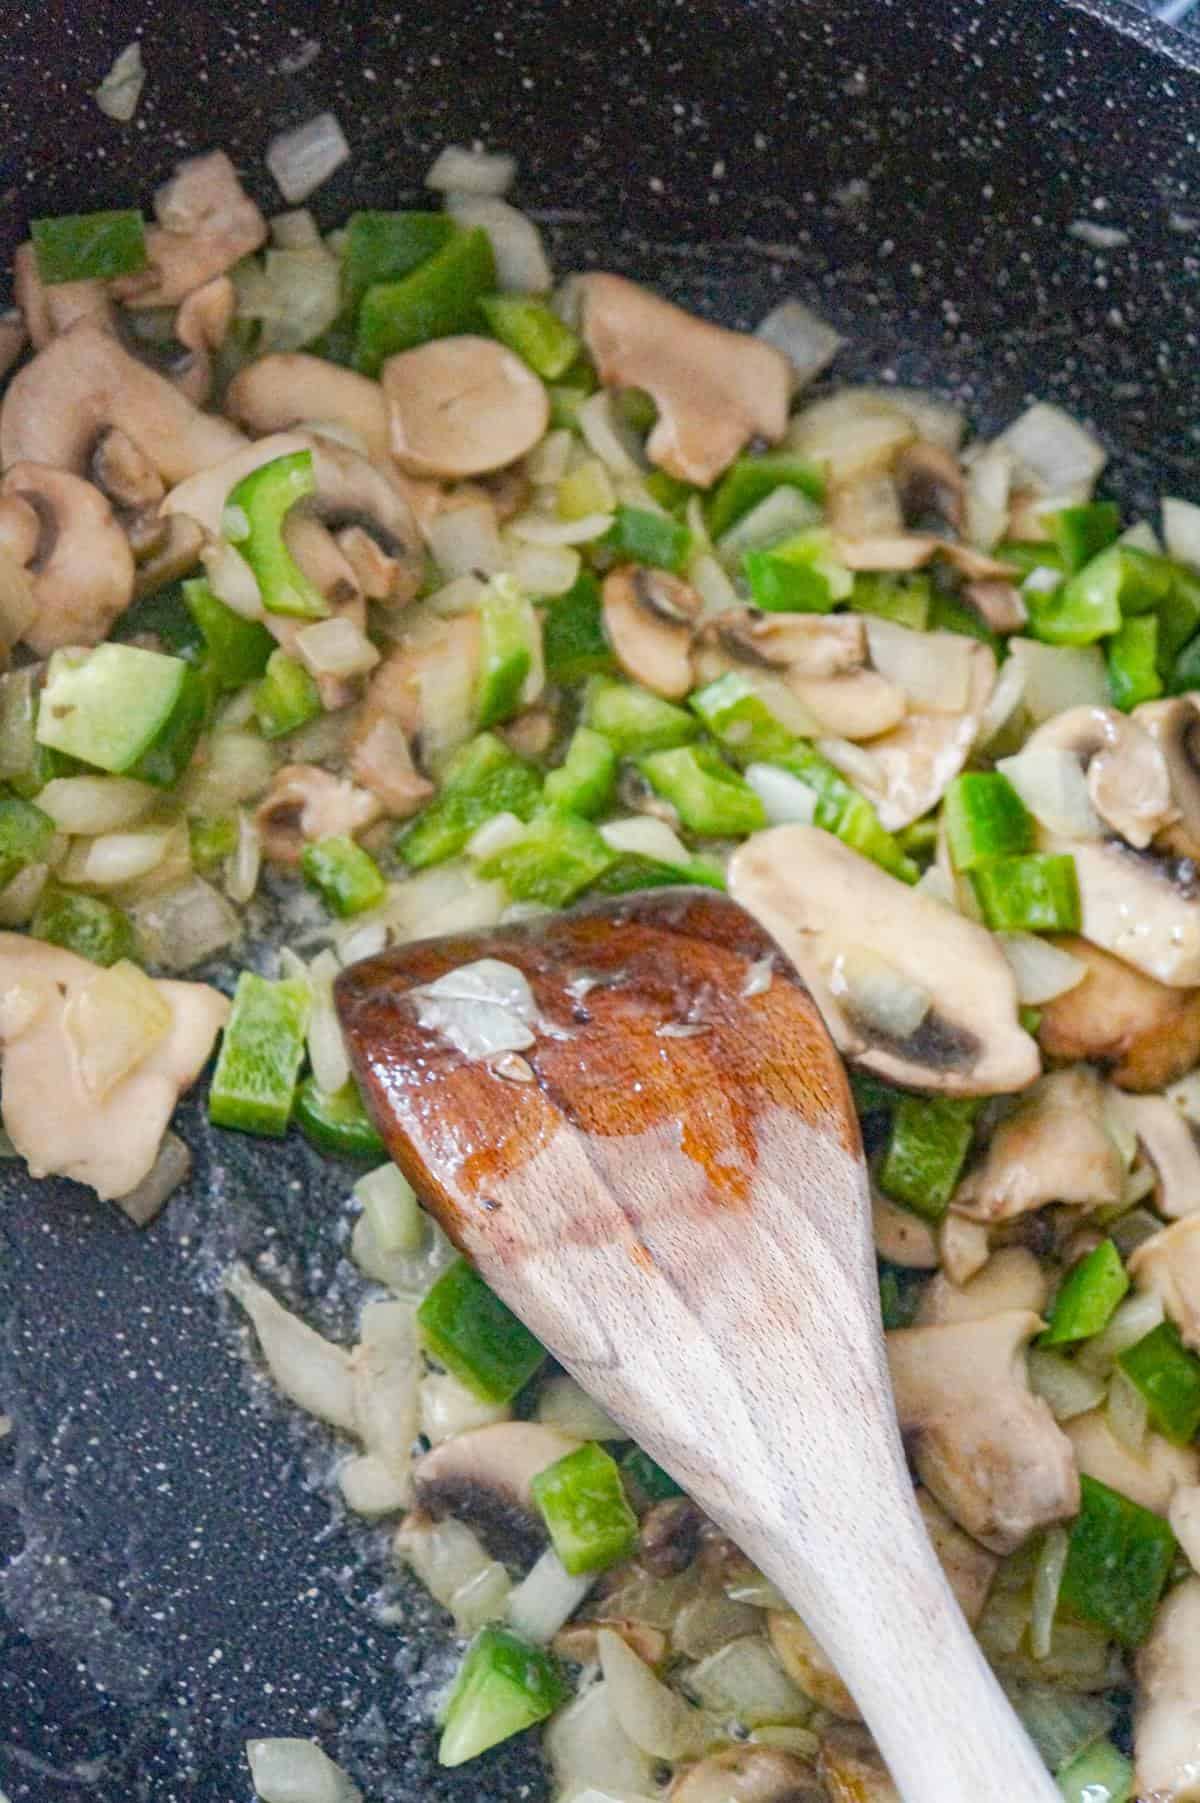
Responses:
[668,1187]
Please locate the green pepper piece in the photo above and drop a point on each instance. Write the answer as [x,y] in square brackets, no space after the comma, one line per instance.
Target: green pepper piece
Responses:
[1168,1376]
[438,299]
[25,835]
[557,857]
[504,1685]
[89,247]
[669,491]
[164,615]
[337,1123]
[842,811]
[947,613]
[84,924]
[1178,622]
[1100,1774]
[654,1483]
[899,1295]
[1034,894]
[482,778]
[537,335]
[586,780]
[985,819]
[253,521]
[1132,658]
[648,538]
[751,479]
[383,247]
[1028,555]
[122,709]
[634,720]
[254,1084]
[574,641]
[211,839]
[510,639]
[238,649]
[286,698]
[346,877]
[566,398]
[710,798]
[736,713]
[1081,533]
[476,1336]
[632,870]
[1087,1297]
[587,1514]
[801,575]
[1118,1562]
[930,1139]
[904,599]
[1090,604]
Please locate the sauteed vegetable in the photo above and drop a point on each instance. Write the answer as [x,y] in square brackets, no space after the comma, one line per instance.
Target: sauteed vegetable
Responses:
[380,579]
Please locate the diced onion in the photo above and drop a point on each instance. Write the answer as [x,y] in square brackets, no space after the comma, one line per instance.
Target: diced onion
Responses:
[808,343]
[17,714]
[709,1621]
[618,450]
[295,230]
[369,1489]
[336,647]
[466,541]
[783,795]
[712,584]
[549,460]
[311,1371]
[544,569]
[496,834]
[1059,1723]
[111,859]
[1008,691]
[119,92]
[446,1408]
[933,668]
[231,579]
[21,894]
[784,511]
[988,488]
[646,836]
[853,761]
[387,1370]
[1137,1316]
[1047,1581]
[447,899]
[877,994]
[1052,784]
[1054,449]
[170,1169]
[851,432]
[481,1599]
[1058,677]
[181,927]
[1181,529]
[1042,970]
[547,1598]
[587,1747]
[936,422]
[542,529]
[445,1555]
[446,688]
[305,157]
[405,1273]
[363,939]
[326,1046]
[114,1021]
[746,1680]
[1127,1413]
[297,1771]
[458,171]
[461,595]
[522,266]
[654,1717]
[1142,537]
[294,295]
[243,868]
[562,1404]
[236,767]
[390,1201]
[89,805]
[481,1008]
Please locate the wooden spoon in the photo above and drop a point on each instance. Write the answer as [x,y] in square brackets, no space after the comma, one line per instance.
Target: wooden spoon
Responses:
[668,1187]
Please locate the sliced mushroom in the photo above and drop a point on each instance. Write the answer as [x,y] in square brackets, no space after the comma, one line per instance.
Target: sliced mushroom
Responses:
[287,390]
[13,339]
[963,1247]
[715,390]
[55,409]
[1167,1722]
[1012,1278]
[306,803]
[669,1536]
[82,567]
[414,673]
[20,529]
[918,759]
[987,1448]
[747,1775]
[163,550]
[821,900]
[483,1478]
[1054,1147]
[1169,1264]
[380,760]
[124,473]
[1168,1139]
[902,1237]
[1127,774]
[851,1769]
[1139,906]
[531,733]
[462,406]
[1147,1033]
[822,659]
[649,616]
[206,223]
[379,576]
[1150,1477]
[998,604]
[203,321]
[1175,728]
[931,486]
[50,308]
[804,1661]
[55,1120]
[577,1641]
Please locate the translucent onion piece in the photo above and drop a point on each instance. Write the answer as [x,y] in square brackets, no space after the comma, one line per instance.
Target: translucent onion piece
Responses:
[808,343]
[1003,702]
[465,541]
[1127,1413]
[746,1680]
[404,1273]
[1054,449]
[654,1717]
[297,299]
[370,1489]
[182,927]
[1060,1725]
[1053,786]
[1137,1316]
[170,1169]
[544,569]
[547,463]
[243,868]
[618,450]
[543,529]
[306,156]
[711,1621]
[988,488]
[387,1368]
[447,1408]
[481,1599]
[854,761]
[713,586]
[111,859]
[336,647]
[1181,529]
[562,1404]
[326,1047]
[445,1555]
[1058,677]
[587,1746]
[231,579]
[851,432]
[458,171]
[238,767]
[784,796]
[114,1021]
[522,266]
[648,836]
[461,595]
[1047,1581]
[390,1201]
[297,1771]
[494,835]
[311,1371]
[119,92]
[933,668]
[873,991]
[447,899]
[783,512]
[89,805]
[546,1599]
[1042,970]
[295,230]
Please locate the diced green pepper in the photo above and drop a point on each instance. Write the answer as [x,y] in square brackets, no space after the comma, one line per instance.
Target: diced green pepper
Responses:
[383,247]
[566,398]
[504,1685]
[574,641]
[585,781]
[905,599]
[438,299]
[654,1483]
[346,877]
[1034,894]
[585,1509]
[1081,533]
[637,409]
[632,870]
[1118,1562]
[751,479]
[930,1139]
[710,798]
[985,819]
[1090,604]
[254,1084]
[1132,658]
[89,247]
[211,839]
[237,649]
[1178,623]
[482,778]
[1087,1297]
[534,332]
[1185,671]
[476,1336]
[557,857]
[509,641]
[1028,555]
[669,491]
[634,720]
[1100,1774]
[841,810]
[132,712]
[337,1123]
[736,714]
[84,924]
[286,697]
[25,835]
[949,613]
[1168,1376]
[648,538]
[899,1295]
[801,575]
[253,520]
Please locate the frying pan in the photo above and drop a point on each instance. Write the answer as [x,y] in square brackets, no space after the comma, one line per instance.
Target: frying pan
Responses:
[930,176]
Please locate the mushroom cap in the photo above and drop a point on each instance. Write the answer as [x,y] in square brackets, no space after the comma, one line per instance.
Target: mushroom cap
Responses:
[1054,1147]
[930,482]
[820,900]
[1167,1724]
[1127,774]
[1012,1278]
[1147,1032]
[483,1478]
[1169,1141]
[1174,726]
[649,617]
[206,223]
[918,759]
[747,1775]
[462,406]
[305,803]
[289,389]
[1139,906]
[82,567]
[1169,1264]
[902,1237]
[1150,1477]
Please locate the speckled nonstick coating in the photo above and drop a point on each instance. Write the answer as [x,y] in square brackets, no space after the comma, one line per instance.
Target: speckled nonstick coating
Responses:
[177,1577]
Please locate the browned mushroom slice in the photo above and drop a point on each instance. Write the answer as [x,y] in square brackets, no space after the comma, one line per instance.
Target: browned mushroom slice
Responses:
[206,223]
[483,1477]
[715,390]
[1139,906]
[916,761]
[1175,728]
[1169,1264]
[998,604]
[462,407]
[649,617]
[206,314]
[1147,1033]
[1127,774]
[1169,1141]
[289,389]
[124,474]
[902,1237]
[932,491]
[851,1769]
[747,1775]
[82,567]
[306,803]
[1054,1147]
[380,760]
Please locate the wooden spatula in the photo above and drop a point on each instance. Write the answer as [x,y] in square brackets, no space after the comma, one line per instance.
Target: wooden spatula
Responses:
[668,1187]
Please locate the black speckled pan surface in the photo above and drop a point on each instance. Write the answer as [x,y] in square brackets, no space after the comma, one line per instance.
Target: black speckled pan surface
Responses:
[928,175]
